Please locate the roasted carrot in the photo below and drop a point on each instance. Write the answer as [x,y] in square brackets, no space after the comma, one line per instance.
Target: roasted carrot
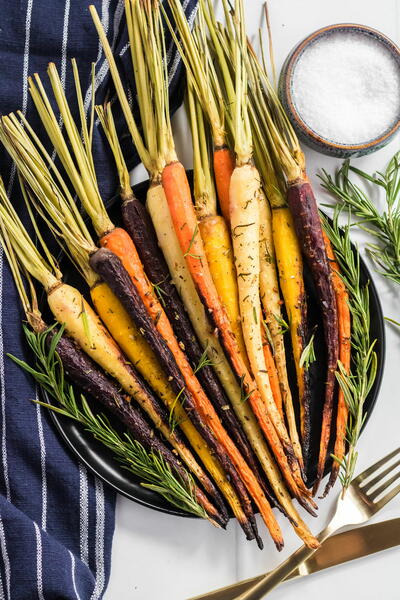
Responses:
[245,226]
[271,302]
[308,227]
[344,323]
[224,163]
[219,253]
[213,229]
[270,364]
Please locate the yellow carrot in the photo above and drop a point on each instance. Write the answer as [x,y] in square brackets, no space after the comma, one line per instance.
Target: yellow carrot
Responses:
[219,253]
[271,301]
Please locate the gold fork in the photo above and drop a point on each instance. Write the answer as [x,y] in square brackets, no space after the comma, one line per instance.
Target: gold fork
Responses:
[361,501]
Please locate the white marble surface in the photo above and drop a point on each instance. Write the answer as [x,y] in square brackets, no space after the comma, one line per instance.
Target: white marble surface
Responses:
[156,556]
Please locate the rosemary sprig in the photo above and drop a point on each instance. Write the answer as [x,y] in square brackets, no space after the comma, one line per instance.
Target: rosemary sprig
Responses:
[284,325]
[192,241]
[159,292]
[268,335]
[150,467]
[357,384]
[86,327]
[204,361]
[173,420]
[383,225]
[243,395]
[308,355]
[393,321]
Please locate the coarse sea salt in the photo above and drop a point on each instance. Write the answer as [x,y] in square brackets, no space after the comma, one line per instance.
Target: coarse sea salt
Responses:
[346,88]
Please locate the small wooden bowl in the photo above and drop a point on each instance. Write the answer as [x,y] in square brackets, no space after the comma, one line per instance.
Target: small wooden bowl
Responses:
[305,133]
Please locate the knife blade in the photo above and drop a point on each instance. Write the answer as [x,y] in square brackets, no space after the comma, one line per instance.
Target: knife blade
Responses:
[336,550]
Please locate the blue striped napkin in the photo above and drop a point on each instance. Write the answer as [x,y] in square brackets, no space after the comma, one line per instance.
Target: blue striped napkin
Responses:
[56,518]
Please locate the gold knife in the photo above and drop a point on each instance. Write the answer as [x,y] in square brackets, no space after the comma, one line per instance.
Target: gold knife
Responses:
[338,549]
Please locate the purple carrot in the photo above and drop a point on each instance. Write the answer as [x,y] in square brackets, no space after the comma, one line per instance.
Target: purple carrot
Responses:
[307,222]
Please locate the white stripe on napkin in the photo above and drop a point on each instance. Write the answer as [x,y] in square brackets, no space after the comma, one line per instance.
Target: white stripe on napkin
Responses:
[73,574]
[64,48]
[99,548]
[42,462]
[83,514]
[6,559]
[64,42]
[3,388]
[25,70]
[39,560]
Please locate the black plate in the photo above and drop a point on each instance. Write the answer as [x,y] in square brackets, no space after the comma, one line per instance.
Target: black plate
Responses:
[100,460]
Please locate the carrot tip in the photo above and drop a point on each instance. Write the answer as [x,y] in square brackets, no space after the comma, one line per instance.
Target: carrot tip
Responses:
[316,485]
[306,506]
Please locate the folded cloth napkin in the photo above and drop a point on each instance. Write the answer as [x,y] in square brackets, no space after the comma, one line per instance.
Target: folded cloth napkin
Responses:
[56,518]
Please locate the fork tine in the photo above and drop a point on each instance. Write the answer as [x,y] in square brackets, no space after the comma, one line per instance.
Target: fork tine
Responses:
[374,467]
[387,498]
[370,484]
[383,487]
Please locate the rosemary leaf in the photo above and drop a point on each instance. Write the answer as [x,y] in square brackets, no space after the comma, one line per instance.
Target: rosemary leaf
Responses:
[308,355]
[204,361]
[284,326]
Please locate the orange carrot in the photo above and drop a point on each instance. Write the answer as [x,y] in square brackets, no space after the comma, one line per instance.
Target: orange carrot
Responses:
[271,368]
[224,164]
[344,323]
